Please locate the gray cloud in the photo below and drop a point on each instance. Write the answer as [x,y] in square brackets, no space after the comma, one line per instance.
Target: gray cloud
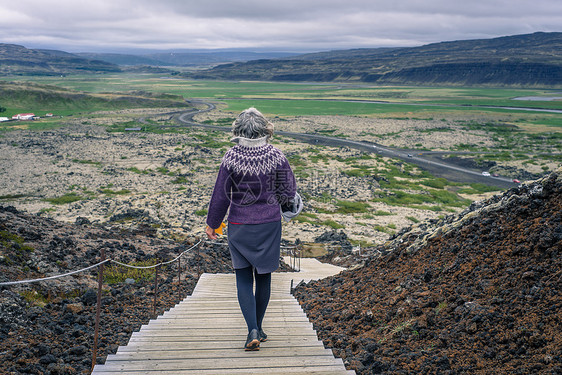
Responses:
[287,25]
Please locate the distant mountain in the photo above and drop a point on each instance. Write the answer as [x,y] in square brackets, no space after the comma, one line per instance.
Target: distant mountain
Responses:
[520,60]
[120,59]
[194,58]
[18,60]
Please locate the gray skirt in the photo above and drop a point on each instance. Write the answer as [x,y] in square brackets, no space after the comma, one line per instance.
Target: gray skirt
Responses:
[255,245]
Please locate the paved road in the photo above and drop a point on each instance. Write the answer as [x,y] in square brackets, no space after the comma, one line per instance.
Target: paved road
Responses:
[428,162]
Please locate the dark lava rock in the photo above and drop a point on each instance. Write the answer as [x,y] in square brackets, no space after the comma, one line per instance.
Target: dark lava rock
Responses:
[90,297]
[479,294]
[10,209]
[130,214]
[82,221]
[331,236]
[78,350]
[48,327]
[48,358]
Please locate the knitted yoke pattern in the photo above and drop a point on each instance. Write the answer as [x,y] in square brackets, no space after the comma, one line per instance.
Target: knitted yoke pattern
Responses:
[253,160]
[252,182]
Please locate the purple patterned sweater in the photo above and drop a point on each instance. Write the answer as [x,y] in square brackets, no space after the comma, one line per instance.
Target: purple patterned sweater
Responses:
[254,179]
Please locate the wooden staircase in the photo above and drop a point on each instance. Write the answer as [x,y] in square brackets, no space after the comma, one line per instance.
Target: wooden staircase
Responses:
[205,334]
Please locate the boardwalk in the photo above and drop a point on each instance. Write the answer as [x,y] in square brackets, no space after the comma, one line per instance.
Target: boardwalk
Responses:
[205,334]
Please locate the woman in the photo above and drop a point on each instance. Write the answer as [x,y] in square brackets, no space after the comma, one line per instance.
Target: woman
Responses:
[253,181]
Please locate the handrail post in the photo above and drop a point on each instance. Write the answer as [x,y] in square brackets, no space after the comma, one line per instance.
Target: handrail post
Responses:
[198,263]
[179,279]
[292,258]
[290,252]
[98,310]
[300,256]
[155,292]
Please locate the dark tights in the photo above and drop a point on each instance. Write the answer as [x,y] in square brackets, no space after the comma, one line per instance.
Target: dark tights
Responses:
[253,306]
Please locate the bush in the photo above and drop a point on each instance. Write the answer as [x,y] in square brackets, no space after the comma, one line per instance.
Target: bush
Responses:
[478,188]
[382,213]
[332,224]
[349,207]
[34,298]
[138,171]
[400,198]
[180,180]
[356,172]
[304,219]
[65,199]
[14,250]
[91,162]
[438,183]
[118,274]
[380,228]
[112,192]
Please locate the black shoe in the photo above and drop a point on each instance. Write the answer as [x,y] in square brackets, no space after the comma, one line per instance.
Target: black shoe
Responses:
[253,341]
[263,336]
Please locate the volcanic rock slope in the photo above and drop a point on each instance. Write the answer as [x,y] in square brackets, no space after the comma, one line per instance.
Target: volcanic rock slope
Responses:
[48,327]
[478,295]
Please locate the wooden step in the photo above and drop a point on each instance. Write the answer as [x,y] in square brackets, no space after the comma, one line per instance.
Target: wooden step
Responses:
[205,334]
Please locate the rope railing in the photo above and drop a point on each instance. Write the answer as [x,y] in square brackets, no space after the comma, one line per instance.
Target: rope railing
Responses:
[54,276]
[100,282]
[7,283]
[294,252]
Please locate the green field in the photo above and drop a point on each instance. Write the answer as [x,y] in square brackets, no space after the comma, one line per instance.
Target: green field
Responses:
[42,98]
[296,107]
[463,123]
[296,99]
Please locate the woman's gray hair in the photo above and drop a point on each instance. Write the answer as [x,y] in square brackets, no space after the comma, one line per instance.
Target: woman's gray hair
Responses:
[250,123]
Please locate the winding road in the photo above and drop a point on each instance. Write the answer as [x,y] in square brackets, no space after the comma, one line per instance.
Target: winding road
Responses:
[427,162]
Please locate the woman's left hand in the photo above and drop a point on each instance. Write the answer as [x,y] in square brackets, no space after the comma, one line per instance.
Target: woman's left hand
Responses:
[210,233]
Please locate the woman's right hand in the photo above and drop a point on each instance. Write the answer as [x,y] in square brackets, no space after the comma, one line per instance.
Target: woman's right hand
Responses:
[211,233]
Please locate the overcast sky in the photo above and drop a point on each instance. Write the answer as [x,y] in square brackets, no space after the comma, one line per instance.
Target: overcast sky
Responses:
[278,25]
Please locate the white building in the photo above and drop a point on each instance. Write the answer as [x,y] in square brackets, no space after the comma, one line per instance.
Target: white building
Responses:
[23,116]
